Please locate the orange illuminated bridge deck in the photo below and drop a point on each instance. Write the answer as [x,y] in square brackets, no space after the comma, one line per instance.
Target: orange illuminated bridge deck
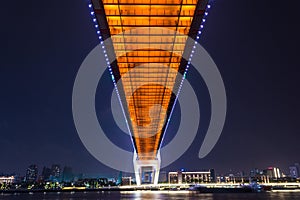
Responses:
[149,38]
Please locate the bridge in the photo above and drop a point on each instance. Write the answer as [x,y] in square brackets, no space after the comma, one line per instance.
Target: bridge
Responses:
[148,39]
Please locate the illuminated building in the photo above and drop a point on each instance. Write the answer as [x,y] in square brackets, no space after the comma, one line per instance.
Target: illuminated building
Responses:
[294,170]
[163,177]
[148,39]
[180,177]
[55,172]
[31,173]
[7,179]
[273,173]
[126,180]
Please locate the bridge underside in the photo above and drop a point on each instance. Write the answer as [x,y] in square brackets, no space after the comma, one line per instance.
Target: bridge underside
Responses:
[148,38]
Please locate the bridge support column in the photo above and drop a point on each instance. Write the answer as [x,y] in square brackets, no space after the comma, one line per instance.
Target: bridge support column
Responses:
[146,171]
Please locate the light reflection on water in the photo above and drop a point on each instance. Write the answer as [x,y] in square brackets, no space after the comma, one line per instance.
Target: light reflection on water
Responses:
[147,195]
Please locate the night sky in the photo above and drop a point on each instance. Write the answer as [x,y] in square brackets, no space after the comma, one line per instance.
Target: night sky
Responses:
[254,44]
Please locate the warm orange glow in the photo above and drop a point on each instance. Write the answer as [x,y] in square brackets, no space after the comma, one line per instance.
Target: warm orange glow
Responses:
[157,51]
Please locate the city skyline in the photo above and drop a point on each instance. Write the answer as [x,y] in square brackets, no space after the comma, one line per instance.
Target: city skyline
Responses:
[55,179]
[65,174]
[255,54]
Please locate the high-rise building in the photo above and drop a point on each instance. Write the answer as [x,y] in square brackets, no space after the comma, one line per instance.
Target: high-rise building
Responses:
[55,172]
[273,173]
[255,173]
[67,175]
[31,173]
[294,170]
[46,173]
[148,40]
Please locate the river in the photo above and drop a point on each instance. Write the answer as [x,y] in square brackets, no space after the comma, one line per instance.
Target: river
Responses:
[157,195]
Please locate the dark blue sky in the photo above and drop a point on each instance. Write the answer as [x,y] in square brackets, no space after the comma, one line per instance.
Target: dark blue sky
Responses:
[254,44]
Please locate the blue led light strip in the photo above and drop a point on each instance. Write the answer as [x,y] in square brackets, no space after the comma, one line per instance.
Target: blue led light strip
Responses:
[96,25]
[186,69]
